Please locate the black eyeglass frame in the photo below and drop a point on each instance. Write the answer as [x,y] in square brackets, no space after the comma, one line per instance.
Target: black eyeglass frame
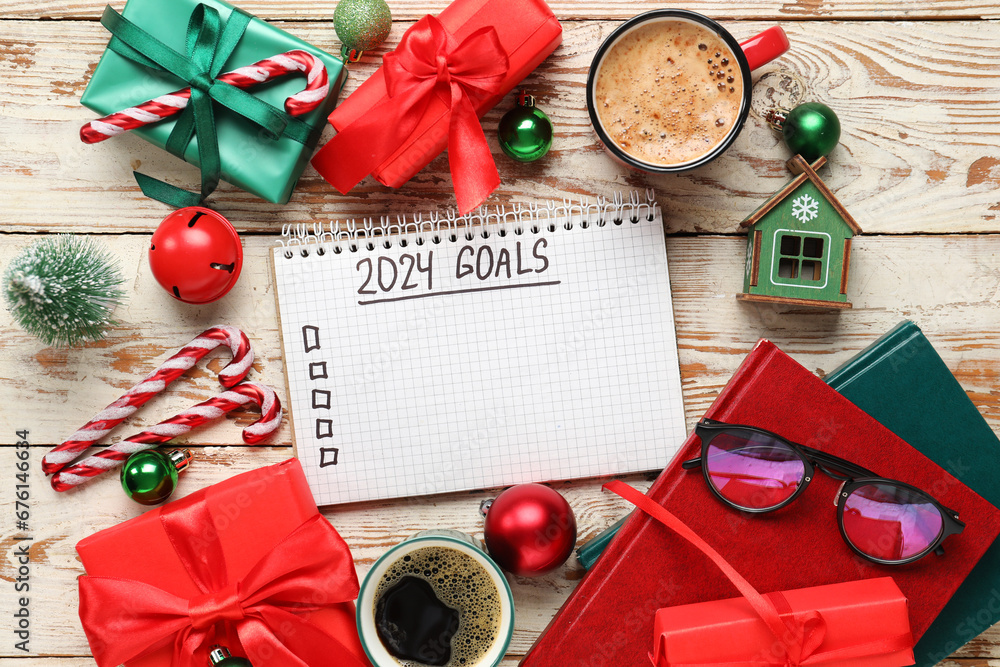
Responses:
[853,477]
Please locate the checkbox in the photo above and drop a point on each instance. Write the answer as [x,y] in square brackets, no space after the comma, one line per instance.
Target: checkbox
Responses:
[321,399]
[324,428]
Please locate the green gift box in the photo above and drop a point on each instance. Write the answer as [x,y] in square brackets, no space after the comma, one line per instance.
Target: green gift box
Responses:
[252,157]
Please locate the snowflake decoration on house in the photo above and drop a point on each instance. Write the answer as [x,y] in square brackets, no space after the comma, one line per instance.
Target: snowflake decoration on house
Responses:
[805,208]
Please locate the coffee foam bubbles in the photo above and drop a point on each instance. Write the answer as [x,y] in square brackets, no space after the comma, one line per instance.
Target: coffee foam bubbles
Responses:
[460,582]
[669,91]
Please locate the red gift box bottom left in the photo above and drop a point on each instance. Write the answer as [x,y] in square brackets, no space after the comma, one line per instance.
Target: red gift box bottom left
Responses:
[240,523]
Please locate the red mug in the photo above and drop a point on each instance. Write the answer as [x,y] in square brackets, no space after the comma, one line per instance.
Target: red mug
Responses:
[749,55]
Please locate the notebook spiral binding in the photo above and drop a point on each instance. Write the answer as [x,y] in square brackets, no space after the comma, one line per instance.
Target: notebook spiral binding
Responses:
[348,236]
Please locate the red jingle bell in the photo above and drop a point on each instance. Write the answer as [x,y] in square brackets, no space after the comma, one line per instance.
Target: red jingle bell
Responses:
[196,255]
[530,529]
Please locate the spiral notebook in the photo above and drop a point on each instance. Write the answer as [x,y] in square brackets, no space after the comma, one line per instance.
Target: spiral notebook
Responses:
[445,353]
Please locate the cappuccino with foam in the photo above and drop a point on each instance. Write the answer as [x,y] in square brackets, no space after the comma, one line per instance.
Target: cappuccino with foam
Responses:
[669,92]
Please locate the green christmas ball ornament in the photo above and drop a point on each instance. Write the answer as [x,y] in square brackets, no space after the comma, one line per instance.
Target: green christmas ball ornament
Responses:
[361,25]
[150,476]
[221,657]
[525,132]
[811,130]
[64,289]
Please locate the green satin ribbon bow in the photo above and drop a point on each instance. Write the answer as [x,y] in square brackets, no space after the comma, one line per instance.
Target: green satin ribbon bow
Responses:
[209,46]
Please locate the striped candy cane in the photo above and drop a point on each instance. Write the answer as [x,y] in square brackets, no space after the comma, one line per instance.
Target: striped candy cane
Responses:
[195,416]
[108,418]
[164,106]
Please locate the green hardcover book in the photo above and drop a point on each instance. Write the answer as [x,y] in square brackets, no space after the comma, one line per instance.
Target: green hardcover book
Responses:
[902,382]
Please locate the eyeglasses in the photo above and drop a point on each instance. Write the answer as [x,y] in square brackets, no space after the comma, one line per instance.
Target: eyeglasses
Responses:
[882,520]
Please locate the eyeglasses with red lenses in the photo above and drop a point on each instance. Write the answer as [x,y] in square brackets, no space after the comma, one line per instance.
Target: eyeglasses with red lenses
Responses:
[882,520]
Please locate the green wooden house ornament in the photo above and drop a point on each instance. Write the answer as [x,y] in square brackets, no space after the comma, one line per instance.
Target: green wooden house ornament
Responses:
[799,244]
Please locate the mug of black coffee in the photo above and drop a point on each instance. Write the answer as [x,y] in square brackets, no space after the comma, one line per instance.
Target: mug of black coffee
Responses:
[669,90]
[435,599]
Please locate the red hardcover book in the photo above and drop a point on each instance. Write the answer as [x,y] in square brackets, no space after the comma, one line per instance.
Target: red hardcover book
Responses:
[608,620]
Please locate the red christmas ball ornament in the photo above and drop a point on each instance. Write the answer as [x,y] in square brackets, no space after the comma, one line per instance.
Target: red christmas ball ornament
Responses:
[196,255]
[530,529]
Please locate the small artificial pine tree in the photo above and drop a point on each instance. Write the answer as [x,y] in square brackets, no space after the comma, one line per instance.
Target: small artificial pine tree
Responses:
[63,289]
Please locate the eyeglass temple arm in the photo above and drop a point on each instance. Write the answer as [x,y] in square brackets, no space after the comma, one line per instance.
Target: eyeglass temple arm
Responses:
[822,458]
[817,456]
[857,472]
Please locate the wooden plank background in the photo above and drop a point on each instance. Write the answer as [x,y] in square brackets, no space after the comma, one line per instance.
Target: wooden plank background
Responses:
[917,88]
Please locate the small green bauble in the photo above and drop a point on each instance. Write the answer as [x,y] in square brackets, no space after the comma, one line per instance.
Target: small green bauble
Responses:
[525,132]
[362,24]
[811,130]
[150,476]
[220,657]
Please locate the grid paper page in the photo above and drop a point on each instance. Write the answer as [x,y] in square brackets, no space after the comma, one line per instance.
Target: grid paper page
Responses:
[468,364]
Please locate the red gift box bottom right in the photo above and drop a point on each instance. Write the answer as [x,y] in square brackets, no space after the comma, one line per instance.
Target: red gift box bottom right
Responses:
[864,624]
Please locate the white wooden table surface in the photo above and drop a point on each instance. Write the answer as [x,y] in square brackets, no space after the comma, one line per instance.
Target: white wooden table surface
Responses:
[916,85]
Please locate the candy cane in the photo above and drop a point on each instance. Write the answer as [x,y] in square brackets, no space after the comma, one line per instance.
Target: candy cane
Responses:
[108,418]
[195,416]
[164,106]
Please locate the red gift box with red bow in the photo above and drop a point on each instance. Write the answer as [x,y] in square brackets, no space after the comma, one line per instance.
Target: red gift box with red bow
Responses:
[848,624]
[429,94]
[851,624]
[248,563]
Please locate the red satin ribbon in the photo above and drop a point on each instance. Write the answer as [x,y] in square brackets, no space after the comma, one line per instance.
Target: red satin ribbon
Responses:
[310,569]
[428,62]
[798,638]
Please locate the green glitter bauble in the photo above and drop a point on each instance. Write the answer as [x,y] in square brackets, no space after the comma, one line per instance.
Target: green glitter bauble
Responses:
[362,24]
[811,130]
[63,289]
